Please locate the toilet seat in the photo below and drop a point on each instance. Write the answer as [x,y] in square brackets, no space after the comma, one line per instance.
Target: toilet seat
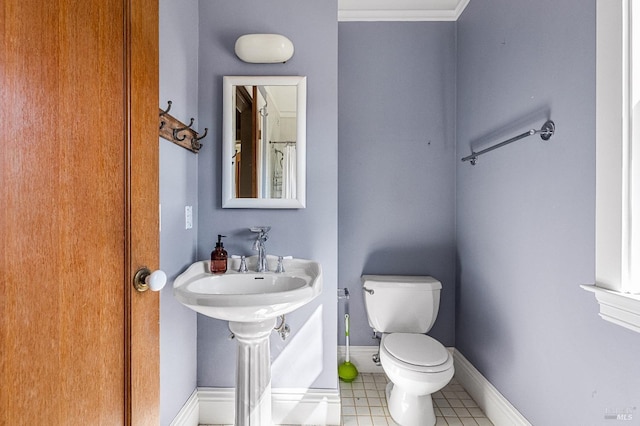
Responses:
[417,352]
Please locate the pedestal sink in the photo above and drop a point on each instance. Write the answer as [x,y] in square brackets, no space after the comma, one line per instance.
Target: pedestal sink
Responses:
[251,302]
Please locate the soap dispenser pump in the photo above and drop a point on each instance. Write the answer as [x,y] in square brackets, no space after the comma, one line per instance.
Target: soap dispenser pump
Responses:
[219,257]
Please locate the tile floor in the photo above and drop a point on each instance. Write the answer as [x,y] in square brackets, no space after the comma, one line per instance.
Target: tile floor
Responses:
[364,404]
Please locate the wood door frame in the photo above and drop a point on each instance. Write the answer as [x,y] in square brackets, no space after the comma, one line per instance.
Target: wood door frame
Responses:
[142,240]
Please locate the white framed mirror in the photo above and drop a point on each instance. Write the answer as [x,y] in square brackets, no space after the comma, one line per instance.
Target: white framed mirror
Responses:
[264,142]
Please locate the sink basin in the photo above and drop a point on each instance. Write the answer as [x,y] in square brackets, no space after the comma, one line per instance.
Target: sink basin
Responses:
[249,296]
[250,301]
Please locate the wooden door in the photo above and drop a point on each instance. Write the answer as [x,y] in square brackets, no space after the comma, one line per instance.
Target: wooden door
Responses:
[78,212]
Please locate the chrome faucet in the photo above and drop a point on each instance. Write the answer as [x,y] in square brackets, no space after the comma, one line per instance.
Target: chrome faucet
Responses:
[258,244]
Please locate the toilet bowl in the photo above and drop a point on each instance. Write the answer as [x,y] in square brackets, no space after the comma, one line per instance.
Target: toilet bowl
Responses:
[417,366]
[403,308]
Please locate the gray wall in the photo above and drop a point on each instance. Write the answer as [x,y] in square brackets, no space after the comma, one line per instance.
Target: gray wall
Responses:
[396,160]
[525,215]
[178,188]
[308,357]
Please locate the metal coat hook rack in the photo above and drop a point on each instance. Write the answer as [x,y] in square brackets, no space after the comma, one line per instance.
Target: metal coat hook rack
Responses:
[179,133]
[547,130]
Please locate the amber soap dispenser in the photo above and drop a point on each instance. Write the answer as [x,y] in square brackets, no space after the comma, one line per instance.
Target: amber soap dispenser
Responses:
[219,258]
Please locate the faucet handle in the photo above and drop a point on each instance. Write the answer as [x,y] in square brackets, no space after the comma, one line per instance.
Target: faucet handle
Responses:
[262,230]
[280,267]
[243,264]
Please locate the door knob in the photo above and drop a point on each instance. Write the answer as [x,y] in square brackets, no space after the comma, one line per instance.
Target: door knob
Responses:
[145,280]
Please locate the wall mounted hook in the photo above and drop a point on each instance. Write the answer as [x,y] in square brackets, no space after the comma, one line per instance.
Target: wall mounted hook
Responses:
[204,134]
[163,112]
[179,129]
[177,132]
[195,142]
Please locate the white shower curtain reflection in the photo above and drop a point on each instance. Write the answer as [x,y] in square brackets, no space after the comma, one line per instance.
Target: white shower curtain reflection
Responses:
[289,172]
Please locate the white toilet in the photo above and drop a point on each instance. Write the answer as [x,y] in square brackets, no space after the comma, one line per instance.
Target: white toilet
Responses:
[403,308]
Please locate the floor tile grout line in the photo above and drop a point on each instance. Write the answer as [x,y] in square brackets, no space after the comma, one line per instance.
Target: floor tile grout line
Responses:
[455,392]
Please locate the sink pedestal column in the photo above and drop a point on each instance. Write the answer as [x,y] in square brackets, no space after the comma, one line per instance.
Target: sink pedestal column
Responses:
[253,372]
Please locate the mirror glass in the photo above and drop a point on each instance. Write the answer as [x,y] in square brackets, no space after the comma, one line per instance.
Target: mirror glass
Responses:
[264,142]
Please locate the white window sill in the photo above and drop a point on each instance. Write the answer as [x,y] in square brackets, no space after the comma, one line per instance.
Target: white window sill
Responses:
[619,308]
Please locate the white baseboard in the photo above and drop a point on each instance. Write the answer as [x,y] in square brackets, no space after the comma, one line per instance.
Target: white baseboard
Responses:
[289,406]
[189,414]
[496,407]
[360,356]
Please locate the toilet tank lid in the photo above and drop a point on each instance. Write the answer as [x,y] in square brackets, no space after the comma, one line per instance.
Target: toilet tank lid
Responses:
[381,281]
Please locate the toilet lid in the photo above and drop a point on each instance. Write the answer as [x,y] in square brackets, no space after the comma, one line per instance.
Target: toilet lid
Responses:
[416,349]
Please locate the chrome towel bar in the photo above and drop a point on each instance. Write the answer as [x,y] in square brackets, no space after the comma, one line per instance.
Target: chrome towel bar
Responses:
[547,130]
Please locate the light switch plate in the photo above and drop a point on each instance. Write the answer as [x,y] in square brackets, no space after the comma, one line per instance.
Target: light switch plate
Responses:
[188,217]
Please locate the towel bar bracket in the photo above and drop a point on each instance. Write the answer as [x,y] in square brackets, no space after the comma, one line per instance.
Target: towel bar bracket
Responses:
[547,130]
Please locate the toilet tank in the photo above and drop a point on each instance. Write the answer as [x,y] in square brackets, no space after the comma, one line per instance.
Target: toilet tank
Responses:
[401,303]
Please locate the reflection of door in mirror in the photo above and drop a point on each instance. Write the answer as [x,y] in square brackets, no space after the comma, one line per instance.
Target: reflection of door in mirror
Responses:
[246,143]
